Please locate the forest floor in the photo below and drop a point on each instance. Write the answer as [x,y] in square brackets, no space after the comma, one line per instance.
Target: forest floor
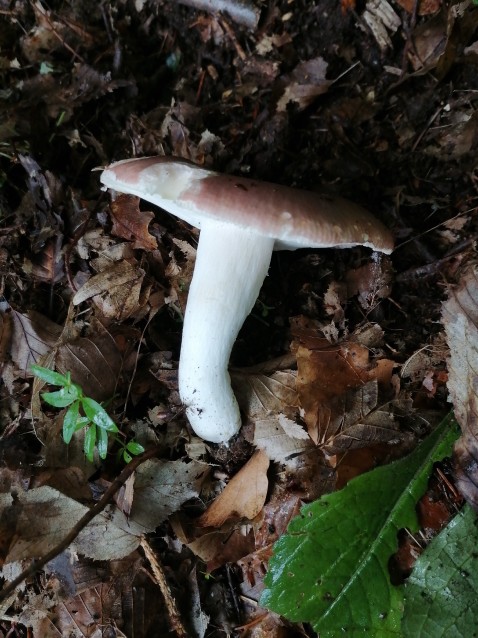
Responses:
[373,101]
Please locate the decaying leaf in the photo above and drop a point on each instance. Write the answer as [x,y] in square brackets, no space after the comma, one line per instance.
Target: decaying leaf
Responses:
[161,487]
[221,546]
[180,275]
[129,222]
[439,41]
[116,290]
[34,335]
[244,495]
[270,402]
[339,390]
[460,319]
[371,282]
[94,363]
[306,82]
[262,395]
[48,266]
[281,438]
[83,600]
[41,517]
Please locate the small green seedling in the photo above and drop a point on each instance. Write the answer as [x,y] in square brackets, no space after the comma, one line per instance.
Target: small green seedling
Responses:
[83,412]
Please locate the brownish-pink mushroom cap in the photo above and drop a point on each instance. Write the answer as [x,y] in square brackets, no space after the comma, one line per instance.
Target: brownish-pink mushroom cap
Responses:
[293,218]
[242,221]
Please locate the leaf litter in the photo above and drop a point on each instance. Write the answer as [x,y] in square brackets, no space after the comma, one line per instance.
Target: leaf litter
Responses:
[355,367]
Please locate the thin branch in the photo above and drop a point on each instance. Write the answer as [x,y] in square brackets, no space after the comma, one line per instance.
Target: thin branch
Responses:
[119,481]
[160,579]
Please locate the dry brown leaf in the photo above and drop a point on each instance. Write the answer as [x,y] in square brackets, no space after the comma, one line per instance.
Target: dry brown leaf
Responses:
[70,481]
[460,318]
[34,335]
[220,547]
[244,495]
[49,265]
[44,516]
[281,439]
[265,395]
[129,222]
[339,389]
[270,402]
[371,282]
[94,362]
[41,517]
[180,276]
[161,487]
[116,291]
[82,601]
[304,84]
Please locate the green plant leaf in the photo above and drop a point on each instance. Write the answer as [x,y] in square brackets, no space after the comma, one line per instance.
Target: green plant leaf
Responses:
[126,456]
[135,448]
[98,415]
[70,421]
[50,376]
[441,593]
[89,443]
[61,398]
[330,568]
[102,442]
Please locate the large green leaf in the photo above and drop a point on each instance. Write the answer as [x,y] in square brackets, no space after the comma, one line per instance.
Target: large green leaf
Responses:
[441,595]
[330,568]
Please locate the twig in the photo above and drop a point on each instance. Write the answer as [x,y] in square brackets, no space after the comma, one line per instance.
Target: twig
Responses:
[175,621]
[36,565]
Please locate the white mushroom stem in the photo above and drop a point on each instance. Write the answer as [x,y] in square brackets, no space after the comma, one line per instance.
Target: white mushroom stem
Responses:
[231,265]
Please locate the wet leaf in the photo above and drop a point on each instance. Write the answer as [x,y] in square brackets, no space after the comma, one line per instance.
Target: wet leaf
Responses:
[330,569]
[441,593]
[70,421]
[98,415]
[50,376]
[61,398]
[90,442]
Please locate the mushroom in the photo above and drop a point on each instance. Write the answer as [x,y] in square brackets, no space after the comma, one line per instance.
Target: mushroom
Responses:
[241,222]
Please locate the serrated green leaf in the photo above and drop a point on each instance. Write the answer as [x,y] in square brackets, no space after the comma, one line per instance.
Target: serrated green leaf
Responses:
[98,415]
[70,421]
[102,443]
[330,568]
[441,594]
[89,443]
[135,448]
[60,398]
[50,376]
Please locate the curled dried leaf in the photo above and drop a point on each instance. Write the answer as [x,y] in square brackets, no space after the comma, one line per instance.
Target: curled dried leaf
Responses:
[460,318]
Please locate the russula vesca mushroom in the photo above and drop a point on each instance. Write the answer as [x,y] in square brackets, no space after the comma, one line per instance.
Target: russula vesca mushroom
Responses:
[241,221]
